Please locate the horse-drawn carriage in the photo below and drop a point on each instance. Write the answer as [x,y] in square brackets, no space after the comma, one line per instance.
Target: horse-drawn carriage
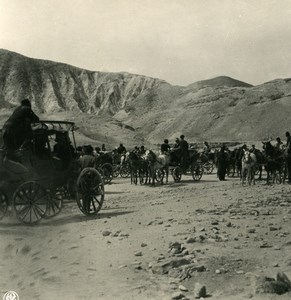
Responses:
[192,166]
[35,179]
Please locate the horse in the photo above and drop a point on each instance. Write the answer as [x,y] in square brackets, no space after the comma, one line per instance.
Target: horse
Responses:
[274,162]
[157,162]
[138,168]
[248,167]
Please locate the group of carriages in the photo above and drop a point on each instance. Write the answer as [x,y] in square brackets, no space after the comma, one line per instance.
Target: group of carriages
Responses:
[150,167]
[269,163]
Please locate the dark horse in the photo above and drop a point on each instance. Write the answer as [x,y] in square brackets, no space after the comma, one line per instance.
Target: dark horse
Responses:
[274,162]
[138,168]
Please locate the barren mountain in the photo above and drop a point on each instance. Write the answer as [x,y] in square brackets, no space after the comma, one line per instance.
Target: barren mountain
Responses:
[115,107]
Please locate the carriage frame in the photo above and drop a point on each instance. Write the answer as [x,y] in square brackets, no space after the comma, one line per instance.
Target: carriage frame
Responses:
[34,180]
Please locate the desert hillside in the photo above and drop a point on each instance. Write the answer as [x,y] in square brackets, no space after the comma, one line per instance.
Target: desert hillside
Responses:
[135,109]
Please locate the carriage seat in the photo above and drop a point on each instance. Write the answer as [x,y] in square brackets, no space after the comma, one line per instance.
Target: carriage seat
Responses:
[14,167]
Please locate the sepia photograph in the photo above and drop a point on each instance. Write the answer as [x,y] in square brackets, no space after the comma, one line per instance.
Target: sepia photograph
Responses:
[145,149]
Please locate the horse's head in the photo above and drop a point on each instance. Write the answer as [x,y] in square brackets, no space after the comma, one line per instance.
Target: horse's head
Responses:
[247,156]
[132,155]
[150,155]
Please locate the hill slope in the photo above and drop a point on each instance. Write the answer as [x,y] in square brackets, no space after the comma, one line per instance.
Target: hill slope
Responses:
[135,109]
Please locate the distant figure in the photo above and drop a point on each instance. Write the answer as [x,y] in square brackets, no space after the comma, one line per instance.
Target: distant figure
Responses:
[121,149]
[142,150]
[177,143]
[206,148]
[279,145]
[288,155]
[88,160]
[184,148]
[17,129]
[103,148]
[222,163]
[165,147]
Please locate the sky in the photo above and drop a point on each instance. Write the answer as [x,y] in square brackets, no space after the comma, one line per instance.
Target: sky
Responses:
[180,41]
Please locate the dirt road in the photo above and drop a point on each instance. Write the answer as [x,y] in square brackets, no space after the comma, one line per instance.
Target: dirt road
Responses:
[225,232]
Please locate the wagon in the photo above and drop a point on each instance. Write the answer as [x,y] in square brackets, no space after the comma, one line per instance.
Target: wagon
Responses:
[34,180]
[194,167]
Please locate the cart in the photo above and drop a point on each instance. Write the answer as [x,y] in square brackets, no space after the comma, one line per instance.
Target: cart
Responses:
[34,180]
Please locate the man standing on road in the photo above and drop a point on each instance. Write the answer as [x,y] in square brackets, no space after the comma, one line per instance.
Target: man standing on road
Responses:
[222,163]
[183,145]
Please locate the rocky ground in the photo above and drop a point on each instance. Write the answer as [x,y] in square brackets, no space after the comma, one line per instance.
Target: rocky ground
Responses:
[163,242]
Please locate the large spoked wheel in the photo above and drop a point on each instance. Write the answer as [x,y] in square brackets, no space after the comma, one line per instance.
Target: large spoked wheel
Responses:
[177,174]
[116,169]
[196,171]
[125,171]
[107,172]
[54,204]
[29,202]
[90,191]
[208,168]
[3,204]
[160,175]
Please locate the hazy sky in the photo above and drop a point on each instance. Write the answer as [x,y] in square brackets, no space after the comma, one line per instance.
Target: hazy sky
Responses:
[180,41]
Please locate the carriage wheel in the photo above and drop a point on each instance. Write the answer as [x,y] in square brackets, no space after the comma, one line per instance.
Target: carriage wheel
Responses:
[3,204]
[107,172]
[208,168]
[90,191]
[159,175]
[116,169]
[124,171]
[196,171]
[30,202]
[177,174]
[54,204]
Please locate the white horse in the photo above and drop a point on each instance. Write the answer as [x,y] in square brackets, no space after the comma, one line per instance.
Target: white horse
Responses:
[157,162]
[249,162]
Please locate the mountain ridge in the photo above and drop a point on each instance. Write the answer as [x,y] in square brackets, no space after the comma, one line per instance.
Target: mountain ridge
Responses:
[141,109]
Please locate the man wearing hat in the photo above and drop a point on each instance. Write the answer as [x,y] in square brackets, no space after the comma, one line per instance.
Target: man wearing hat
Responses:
[183,145]
[17,129]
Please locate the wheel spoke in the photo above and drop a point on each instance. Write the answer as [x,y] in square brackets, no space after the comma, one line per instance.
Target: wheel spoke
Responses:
[39,210]
[24,210]
[92,201]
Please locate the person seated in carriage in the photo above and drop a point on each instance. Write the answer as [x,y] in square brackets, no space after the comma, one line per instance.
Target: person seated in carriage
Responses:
[41,145]
[181,152]
[17,132]
[121,149]
[165,147]
[142,150]
[206,148]
[279,145]
[63,148]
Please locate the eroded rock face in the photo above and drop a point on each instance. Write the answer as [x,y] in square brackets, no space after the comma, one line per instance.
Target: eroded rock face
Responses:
[54,86]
